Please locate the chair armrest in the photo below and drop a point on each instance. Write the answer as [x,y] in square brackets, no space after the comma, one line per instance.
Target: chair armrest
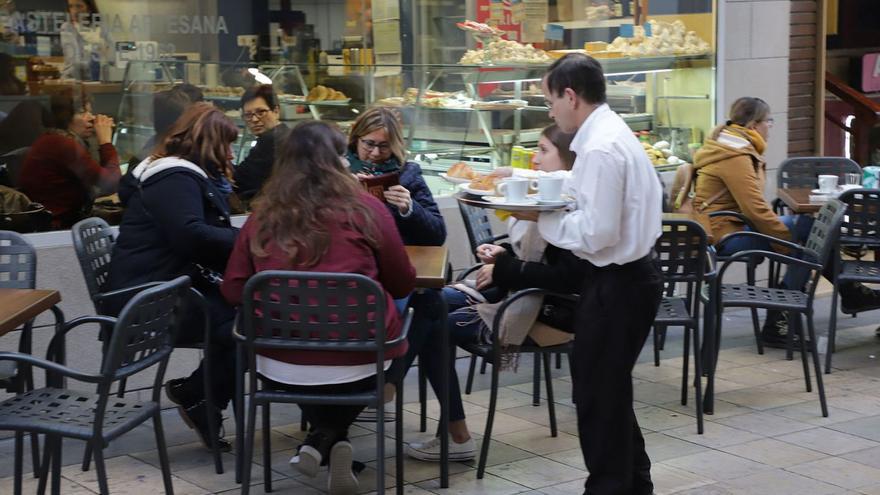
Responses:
[121,292]
[50,366]
[735,214]
[780,258]
[61,334]
[404,329]
[791,245]
[467,272]
[496,323]
[499,237]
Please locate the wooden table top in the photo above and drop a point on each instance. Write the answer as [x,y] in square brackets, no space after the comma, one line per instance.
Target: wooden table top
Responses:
[431,264]
[17,306]
[798,200]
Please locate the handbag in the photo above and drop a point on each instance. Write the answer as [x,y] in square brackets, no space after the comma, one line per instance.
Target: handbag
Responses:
[558,313]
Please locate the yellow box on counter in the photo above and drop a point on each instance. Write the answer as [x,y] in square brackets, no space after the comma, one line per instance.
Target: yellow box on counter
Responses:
[562,53]
[595,46]
[608,54]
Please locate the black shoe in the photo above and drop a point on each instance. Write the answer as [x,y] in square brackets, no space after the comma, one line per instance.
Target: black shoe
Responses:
[195,415]
[855,298]
[774,334]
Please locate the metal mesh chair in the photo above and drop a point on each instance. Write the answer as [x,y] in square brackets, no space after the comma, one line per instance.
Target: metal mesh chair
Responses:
[478,227]
[312,311]
[861,226]
[93,241]
[823,238]
[805,171]
[493,353]
[682,250]
[142,338]
[18,270]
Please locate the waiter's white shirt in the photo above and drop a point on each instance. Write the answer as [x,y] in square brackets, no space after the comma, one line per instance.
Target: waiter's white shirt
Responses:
[619,212]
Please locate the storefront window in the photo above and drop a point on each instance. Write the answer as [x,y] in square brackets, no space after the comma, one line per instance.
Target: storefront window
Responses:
[464,78]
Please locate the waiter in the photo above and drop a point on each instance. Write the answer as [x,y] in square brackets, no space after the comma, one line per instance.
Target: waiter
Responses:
[613,229]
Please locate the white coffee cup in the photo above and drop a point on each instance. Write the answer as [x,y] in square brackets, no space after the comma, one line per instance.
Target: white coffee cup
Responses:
[549,187]
[828,183]
[513,189]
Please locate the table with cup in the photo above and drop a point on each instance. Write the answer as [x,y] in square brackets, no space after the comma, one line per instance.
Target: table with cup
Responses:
[515,194]
[806,200]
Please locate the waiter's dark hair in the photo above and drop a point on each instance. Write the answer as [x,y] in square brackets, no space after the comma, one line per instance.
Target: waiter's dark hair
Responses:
[92,6]
[582,73]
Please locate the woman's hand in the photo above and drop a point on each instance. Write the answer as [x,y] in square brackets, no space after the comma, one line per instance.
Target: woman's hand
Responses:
[488,253]
[103,129]
[400,197]
[484,276]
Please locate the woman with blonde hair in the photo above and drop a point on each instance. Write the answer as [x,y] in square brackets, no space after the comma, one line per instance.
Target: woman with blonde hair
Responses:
[731,175]
[176,222]
[375,147]
[312,215]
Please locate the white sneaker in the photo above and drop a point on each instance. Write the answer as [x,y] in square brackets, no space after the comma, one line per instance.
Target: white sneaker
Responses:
[307,461]
[430,450]
[342,481]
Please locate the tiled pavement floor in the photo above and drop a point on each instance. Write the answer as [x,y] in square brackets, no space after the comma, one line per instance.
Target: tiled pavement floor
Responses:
[766,437]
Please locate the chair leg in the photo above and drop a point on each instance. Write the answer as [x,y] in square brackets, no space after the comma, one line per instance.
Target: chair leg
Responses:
[56,469]
[756,327]
[267,450]
[559,360]
[819,385]
[213,427]
[380,443]
[483,366]
[698,374]
[423,398]
[656,335]
[121,392]
[239,411]
[685,370]
[48,450]
[248,458]
[548,378]
[87,457]
[19,454]
[490,418]
[832,328]
[662,338]
[163,453]
[799,328]
[35,453]
[101,471]
[398,438]
[468,386]
[536,380]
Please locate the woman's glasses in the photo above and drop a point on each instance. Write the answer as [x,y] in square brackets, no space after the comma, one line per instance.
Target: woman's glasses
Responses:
[370,145]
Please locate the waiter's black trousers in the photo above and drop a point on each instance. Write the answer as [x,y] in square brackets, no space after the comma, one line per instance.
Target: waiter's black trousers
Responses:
[617,308]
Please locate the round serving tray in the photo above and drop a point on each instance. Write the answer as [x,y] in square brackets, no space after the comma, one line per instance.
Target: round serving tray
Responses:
[472,200]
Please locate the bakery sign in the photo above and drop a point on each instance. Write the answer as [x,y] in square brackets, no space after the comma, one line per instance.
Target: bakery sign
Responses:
[871,72]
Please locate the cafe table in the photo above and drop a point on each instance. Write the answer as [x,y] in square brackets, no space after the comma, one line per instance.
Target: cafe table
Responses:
[432,268]
[19,306]
[798,200]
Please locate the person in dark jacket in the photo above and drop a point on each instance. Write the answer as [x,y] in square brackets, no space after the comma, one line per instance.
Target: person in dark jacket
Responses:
[291,228]
[503,271]
[176,222]
[168,106]
[375,147]
[262,115]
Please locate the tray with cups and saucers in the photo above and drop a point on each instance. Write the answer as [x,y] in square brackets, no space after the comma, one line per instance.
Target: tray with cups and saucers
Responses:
[492,201]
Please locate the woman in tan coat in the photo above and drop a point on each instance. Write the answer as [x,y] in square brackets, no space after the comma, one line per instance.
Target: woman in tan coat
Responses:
[731,174]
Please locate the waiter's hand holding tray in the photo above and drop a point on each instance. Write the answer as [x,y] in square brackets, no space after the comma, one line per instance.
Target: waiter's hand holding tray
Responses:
[376,185]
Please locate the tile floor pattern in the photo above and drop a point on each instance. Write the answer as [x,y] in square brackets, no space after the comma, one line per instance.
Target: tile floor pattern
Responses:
[766,436]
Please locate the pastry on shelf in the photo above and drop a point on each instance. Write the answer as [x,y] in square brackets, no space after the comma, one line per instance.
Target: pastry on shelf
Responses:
[499,105]
[666,39]
[392,101]
[505,51]
[323,93]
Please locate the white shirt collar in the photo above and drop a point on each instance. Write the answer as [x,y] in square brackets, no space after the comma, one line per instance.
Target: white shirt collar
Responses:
[583,132]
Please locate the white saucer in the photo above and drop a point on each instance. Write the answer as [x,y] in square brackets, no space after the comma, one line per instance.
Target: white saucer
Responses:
[501,200]
[475,192]
[819,191]
[563,200]
[454,180]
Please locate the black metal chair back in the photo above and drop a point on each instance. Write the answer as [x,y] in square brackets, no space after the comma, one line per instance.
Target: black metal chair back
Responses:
[18,262]
[805,171]
[477,226]
[861,225]
[682,249]
[823,236]
[93,241]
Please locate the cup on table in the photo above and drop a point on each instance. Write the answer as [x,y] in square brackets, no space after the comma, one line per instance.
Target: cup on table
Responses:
[828,183]
[549,187]
[513,189]
[852,179]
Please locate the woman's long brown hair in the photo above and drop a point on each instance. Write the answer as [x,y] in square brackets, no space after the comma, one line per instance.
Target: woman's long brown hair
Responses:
[201,135]
[310,189]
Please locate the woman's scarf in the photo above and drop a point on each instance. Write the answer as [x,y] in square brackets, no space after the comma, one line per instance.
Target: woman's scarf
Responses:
[751,135]
[358,166]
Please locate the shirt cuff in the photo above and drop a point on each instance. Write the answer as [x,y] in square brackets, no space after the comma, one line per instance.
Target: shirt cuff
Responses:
[408,214]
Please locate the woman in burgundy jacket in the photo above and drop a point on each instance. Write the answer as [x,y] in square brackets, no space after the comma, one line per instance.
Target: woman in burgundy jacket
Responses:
[312,215]
[58,170]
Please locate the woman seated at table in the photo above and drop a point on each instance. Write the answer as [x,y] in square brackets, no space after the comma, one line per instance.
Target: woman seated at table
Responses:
[731,173]
[472,308]
[176,222]
[312,215]
[262,116]
[58,170]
